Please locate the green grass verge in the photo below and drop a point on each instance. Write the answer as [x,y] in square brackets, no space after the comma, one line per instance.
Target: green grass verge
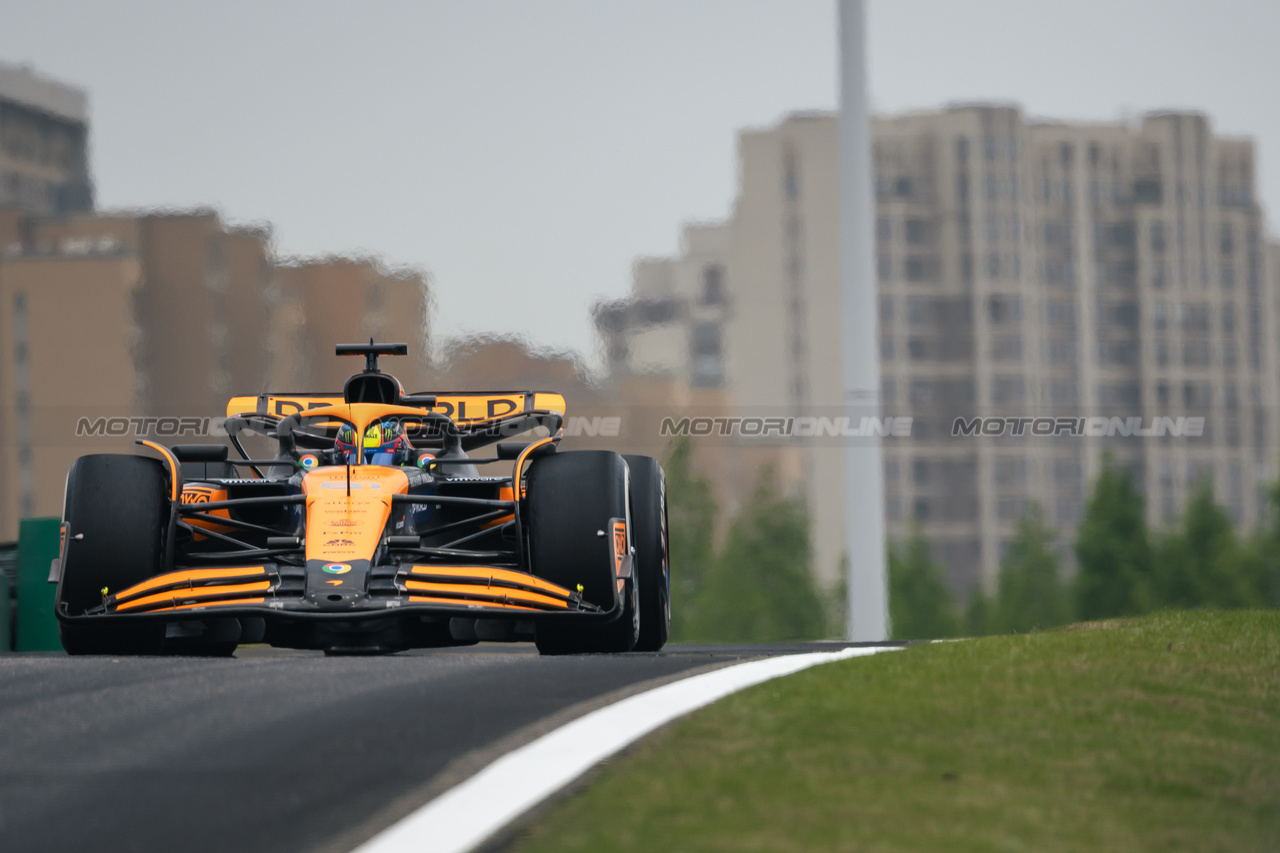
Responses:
[1159,733]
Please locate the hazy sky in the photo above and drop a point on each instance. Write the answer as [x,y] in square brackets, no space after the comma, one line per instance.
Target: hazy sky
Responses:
[526,152]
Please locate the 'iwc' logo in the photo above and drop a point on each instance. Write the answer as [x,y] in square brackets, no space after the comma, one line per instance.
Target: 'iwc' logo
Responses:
[337,568]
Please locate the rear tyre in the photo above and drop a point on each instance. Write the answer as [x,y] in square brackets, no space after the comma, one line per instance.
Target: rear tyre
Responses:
[571,498]
[117,512]
[652,560]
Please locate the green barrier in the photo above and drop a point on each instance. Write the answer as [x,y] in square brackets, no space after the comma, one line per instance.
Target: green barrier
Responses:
[37,547]
[6,636]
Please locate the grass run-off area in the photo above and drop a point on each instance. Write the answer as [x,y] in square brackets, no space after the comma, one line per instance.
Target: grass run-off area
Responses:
[1157,733]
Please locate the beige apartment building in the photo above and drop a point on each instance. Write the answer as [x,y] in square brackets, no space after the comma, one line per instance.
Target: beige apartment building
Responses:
[1026,269]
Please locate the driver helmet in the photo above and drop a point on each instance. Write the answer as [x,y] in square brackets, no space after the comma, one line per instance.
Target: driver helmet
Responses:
[384,443]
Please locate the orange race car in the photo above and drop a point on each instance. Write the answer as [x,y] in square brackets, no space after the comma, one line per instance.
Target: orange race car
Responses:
[370,530]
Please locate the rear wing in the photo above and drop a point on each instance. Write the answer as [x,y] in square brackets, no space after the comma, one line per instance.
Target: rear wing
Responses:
[468,409]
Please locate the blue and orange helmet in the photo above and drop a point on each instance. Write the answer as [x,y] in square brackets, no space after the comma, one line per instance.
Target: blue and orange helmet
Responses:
[384,443]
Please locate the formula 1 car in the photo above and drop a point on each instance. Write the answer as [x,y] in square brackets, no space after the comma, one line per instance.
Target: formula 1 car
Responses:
[369,531]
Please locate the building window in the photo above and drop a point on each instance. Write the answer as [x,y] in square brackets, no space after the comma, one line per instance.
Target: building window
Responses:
[1060,313]
[705,348]
[886,309]
[1009,509]
[917,268]
[790,178]
[1120,394]
[1006,348]
[917,231]
[922,509]
[1226,239]
[713,285]
[916,310]
[1060,351]
[893,509]
[1009,389]
[1011,471]
[1004,309]
[1063,392]
[1159,315]
[1067,472]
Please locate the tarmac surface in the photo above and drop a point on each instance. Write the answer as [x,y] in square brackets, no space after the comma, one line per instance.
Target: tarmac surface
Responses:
[281,751]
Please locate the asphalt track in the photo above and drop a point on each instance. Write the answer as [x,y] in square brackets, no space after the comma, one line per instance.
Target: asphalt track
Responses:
[280,751]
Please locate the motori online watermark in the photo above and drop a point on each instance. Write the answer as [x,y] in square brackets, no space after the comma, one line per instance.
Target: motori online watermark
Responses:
[144,426]
[1089,427]
[787,427]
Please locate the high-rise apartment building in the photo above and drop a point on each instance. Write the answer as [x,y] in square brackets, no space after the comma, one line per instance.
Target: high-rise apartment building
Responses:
[1026,269]
[674,321]
[44,130]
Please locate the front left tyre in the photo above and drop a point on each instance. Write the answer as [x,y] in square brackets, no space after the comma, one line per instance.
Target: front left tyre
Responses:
[572,497]
[652,557]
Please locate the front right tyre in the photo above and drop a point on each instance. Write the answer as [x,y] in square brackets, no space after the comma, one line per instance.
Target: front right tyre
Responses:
[117,511]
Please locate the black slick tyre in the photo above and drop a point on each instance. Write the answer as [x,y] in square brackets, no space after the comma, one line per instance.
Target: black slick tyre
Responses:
[571,499]
[652,559]
[117,510]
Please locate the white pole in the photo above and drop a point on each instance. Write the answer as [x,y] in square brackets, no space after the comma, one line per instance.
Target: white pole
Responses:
[864,528]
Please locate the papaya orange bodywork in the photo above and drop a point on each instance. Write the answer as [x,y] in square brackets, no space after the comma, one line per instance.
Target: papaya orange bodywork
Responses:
[177,595]
[189,577]
[497,592]
[344,526]
[427,599]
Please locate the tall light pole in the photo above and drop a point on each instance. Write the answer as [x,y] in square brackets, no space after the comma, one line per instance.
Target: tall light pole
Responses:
[864,505]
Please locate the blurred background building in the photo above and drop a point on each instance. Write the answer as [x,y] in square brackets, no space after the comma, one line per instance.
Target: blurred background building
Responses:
[1026,268]
[44,139]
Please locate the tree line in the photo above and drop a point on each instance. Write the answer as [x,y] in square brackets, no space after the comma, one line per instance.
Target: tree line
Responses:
[1122,567]
[756,585]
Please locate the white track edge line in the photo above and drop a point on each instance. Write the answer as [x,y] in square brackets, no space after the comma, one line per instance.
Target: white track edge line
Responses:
[472,811]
